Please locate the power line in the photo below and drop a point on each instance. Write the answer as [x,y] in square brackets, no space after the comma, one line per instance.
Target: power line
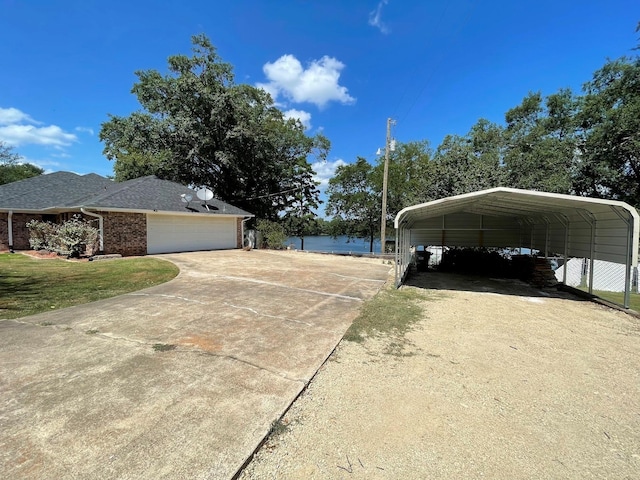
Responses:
[436,65]
[268,194]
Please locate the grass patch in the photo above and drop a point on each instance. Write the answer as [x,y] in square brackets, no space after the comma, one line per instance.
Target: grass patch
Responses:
[163,347]
[278,427]
[391,311]
[31,286]
[618,297]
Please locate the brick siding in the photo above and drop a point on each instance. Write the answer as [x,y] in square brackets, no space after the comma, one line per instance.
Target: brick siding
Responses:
[20,230]
[125,233]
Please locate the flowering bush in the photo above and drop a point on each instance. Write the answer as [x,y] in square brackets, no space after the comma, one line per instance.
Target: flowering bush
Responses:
[71,238]
[41,234]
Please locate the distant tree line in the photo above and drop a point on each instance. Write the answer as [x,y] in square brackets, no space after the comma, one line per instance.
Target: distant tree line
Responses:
[13,167]
[587,145]
[198,127]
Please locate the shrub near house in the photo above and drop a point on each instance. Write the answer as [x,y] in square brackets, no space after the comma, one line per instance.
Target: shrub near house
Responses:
[71,238]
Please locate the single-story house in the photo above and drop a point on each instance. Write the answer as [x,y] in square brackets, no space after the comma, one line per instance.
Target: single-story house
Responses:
[142,216]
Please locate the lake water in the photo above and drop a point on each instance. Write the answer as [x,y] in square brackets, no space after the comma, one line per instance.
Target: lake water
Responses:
[341,244]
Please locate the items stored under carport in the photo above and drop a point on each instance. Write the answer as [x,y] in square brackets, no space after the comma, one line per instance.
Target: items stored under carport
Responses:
[422,258]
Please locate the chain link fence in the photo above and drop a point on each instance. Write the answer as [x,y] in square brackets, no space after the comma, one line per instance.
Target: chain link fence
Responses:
[608,278]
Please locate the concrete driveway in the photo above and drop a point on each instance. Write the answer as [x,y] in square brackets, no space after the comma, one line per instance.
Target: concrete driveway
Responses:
[182,380]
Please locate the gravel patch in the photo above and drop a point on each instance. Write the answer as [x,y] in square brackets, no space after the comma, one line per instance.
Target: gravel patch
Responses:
[498,380]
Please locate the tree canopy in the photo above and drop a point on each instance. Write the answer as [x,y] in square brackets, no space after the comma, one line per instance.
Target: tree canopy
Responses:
[610,119]
[12,168]
[198,127]
[354,201]
[586,145]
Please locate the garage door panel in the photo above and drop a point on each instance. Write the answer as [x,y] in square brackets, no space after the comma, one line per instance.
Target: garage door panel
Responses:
[167,233]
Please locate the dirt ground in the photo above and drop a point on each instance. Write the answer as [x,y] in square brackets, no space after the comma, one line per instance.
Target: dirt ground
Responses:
[499,380]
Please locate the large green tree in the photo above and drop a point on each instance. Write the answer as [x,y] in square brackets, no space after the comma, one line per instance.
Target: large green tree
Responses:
[541,142]
[300,218]
[354,201]
[198,127]
[610,154]
[464,164]
[409,170]
[12,168]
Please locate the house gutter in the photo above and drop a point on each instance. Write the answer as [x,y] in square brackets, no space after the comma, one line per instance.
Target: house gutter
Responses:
[10,229]
[100,225]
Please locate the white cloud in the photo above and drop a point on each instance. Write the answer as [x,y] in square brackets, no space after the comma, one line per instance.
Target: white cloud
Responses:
[325,171]
[9,116]
[52,135]
[85,130]
[375,17]
[270,89]
[304,117]
[46,164]
[18,128]
[317,84]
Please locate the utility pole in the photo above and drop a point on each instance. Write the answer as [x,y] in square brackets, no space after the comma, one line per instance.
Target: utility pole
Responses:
[383,223]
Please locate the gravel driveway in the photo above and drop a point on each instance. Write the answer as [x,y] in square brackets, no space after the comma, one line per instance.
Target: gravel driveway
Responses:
[499,380]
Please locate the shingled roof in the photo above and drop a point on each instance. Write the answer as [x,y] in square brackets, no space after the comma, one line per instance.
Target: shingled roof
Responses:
[64,191]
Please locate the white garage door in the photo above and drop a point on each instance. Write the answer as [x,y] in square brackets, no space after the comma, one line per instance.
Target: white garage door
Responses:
[169,233]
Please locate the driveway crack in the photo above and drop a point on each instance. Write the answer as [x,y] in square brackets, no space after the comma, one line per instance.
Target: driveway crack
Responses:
[241,360]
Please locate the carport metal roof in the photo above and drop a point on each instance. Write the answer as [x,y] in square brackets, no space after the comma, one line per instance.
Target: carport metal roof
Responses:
[501,217]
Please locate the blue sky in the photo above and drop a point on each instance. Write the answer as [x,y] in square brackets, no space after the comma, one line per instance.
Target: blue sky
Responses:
[343,67]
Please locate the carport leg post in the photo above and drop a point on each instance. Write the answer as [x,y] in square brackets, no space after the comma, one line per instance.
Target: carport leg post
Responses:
[592,254]
[566,252]
[533,227]
[586,216]
[396,266]
[627,272]
[628,265]
[546,238]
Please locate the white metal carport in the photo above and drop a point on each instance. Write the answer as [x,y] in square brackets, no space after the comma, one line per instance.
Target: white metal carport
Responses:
[568,225]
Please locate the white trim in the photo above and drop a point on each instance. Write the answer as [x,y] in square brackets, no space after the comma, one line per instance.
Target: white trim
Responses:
[10,229]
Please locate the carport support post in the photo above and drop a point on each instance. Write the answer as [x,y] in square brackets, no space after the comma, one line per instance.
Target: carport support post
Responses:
[587,217]
[564,221]
[546,238]
[627,270]
[592,254]
[397,265]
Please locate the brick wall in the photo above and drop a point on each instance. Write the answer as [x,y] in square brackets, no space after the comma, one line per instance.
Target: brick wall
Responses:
[4,232]
[125,233]
[20,230]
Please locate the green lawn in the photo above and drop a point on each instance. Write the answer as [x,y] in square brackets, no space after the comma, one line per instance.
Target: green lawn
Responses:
[29,286]
[618,297]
